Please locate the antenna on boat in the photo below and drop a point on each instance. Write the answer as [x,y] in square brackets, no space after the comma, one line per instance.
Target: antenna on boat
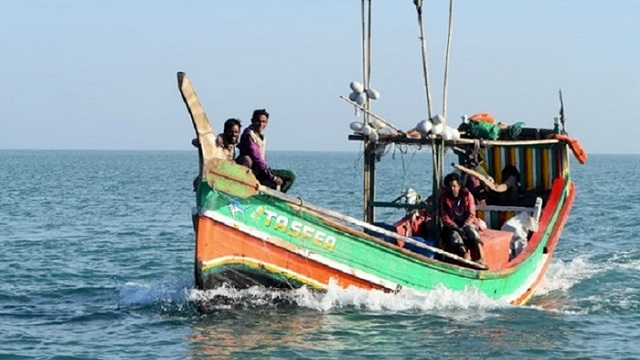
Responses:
[563,131]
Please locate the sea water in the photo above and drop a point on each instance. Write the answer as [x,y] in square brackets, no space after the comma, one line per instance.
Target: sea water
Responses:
[96,262]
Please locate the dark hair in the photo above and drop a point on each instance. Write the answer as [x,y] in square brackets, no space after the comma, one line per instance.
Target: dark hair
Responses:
[230,123]
[450,178]
[258,112]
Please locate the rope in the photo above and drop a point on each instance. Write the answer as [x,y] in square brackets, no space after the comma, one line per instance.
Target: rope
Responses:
[404,168]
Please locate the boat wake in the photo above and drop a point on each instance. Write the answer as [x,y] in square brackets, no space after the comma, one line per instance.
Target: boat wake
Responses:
[589,284]
[336,298]
[177,295]
[561,275]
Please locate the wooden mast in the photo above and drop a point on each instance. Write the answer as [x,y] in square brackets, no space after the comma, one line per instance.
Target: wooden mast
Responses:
[369,147]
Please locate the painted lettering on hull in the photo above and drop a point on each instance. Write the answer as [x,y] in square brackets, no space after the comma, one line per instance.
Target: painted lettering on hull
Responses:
[293,228]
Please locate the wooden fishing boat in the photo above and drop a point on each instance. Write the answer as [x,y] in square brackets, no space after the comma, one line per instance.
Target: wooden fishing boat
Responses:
[248,234]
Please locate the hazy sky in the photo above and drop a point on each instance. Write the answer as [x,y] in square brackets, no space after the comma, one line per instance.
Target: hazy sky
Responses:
[102,74]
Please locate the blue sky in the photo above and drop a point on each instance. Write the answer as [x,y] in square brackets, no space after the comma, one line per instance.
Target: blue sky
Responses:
[102,74]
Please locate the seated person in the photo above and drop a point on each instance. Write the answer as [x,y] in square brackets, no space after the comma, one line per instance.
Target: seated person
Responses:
[511,178]
[227,141]
[460,225]
[479,191]
[472,159]
[225,144]
[253,150]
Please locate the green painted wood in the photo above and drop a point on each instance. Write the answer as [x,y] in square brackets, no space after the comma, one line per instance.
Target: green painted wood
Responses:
[276,218]
[231,178]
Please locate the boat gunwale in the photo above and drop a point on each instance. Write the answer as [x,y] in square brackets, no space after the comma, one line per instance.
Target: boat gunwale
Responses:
[540,238]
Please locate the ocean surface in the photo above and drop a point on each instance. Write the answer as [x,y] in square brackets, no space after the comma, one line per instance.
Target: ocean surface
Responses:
[96,262]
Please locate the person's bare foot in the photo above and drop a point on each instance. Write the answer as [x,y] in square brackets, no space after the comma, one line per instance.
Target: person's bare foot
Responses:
[463,252]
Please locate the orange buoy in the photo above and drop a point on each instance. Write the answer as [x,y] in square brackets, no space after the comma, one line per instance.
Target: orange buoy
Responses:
[575,147]
[483,117]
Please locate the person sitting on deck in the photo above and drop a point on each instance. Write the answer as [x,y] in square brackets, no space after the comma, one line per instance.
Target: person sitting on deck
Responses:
[510,177]
[227,141]
[472,159]
[252,154]
[225,145]
[460,224]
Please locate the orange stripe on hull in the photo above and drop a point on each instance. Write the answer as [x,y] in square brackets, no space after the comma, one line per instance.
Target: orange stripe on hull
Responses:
[216,240]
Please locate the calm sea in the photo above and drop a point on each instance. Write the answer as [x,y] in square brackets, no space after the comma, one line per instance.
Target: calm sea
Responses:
[96,262]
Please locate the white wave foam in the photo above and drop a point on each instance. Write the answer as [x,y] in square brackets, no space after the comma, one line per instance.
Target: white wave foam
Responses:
[625,260]
[339,298]
[564,275]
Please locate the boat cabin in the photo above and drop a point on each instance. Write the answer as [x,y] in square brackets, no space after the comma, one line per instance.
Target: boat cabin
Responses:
[526,168]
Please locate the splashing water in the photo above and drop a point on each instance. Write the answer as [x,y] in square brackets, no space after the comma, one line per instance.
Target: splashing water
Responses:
[177,294]
[561,276]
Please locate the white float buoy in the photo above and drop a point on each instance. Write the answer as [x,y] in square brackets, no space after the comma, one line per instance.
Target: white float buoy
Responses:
[361,99]
[438,119]
[377,123]
[455,134]
[356,126]
[424,127]
[446,134]
[366,130]
[373,136]
[357,87]
[353,96]
[437,129]
[373,94]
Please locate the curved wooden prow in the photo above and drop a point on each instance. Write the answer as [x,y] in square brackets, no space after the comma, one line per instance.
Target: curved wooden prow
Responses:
[205,134]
